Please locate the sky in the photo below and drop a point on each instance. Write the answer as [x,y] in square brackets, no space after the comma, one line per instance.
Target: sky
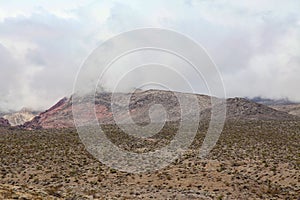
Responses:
[255,44]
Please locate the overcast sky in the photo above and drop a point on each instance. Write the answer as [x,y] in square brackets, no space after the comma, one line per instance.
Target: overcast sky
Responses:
[255,43]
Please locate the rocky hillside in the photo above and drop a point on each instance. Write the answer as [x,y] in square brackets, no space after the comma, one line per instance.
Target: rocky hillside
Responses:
[19,118]
[4,122]
[60,115]
[240,108]
[271,102]
[293,109]
[284,105]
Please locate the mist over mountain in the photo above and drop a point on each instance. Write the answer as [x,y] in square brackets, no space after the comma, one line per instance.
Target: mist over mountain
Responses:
[273,102]
[20,117]
[284,105]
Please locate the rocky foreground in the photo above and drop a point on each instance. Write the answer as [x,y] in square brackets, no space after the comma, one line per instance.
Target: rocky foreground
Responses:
[252,160]
[256,157]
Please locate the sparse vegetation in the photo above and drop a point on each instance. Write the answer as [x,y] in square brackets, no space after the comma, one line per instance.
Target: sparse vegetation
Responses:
[252,159]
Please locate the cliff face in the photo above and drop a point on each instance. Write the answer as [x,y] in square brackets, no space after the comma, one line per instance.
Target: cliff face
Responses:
[60,115]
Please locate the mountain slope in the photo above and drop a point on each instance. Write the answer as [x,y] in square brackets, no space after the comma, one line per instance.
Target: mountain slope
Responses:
[60,115]
[283,105]
[293,109]
[19,118]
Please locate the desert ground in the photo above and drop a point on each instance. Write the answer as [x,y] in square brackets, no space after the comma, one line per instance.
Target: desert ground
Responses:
[252,160]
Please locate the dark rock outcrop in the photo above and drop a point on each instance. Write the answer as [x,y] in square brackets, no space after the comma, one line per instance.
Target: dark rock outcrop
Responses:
[4,122]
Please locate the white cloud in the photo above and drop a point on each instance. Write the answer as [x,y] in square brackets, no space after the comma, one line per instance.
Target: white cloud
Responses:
[254,43]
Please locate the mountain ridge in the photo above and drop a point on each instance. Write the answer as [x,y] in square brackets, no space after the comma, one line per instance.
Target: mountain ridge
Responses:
[284,105]
[60,115]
